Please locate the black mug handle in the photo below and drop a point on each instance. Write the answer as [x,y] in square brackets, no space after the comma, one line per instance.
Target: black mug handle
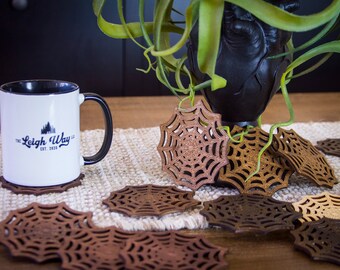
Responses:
[108,129]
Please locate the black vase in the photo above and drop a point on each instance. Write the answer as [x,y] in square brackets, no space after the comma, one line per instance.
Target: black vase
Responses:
[252,77]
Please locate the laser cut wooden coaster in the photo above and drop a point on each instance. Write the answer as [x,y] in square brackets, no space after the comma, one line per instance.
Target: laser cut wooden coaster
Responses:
[250,213]
[273,175]
[304,157]
[37,231]
[319,239]
[329,146]
[94,249]
[192,147]
[318,206]
[17,189]
[150,200]
[172,250]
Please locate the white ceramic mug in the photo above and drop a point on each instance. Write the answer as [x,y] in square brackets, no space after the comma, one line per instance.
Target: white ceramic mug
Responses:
[40,131]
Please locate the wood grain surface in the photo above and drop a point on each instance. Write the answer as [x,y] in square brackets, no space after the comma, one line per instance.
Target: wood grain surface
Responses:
[139,112]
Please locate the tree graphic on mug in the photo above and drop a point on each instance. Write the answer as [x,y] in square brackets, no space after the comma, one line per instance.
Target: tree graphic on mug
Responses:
[47,129]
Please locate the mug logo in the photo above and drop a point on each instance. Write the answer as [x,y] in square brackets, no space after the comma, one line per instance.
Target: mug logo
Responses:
[49,140]
[47,129]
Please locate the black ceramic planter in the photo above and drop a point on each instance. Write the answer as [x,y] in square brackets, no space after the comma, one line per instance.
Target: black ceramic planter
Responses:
[252,77]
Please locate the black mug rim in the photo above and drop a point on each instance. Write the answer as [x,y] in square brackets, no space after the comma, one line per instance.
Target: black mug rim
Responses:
[51,86]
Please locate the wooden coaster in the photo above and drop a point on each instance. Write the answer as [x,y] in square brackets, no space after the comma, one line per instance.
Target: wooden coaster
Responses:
[304,157]
[250,213]
[318,206]
[192,146]
[329,146]
[37,231]
[172,250]
[94,249]
[319,239]
[273,175]
[150,200]
[17,189]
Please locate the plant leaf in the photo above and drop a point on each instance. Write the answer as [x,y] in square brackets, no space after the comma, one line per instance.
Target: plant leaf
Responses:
[329,47]
[210,20]
[314,67]
[313,40]
[97,6]
[284,20]
[118,31]
[185,35]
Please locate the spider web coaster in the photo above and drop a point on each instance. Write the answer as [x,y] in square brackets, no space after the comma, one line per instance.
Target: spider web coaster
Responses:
[329,146]
[250,213]
[319,239]
[243,157]
[90,249]
[37,231]
[192,146]
[318,206]
[304,157]
[17,189]
[150,200]
[172,250]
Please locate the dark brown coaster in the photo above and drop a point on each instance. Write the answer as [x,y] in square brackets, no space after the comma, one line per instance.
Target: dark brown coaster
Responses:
[150,200]
[329,146]
[172,250]
[250,213]
[243,157]
[37,231]
[17,189]
[94,249]
[304,157]
[318,206]
[192,146]
[319,239]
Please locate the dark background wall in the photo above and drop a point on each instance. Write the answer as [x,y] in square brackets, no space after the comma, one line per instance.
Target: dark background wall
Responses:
[60,39]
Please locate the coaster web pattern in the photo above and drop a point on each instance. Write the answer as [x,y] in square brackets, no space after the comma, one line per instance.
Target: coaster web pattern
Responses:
[150,200]
[250,213]
[304,157]
[192,147]
[37,231]
[273,175]
[318,206]
[319,239]
[329,146]
[172,250]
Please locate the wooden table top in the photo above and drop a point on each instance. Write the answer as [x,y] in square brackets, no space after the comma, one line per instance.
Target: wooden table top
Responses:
[139,112]
[246,251]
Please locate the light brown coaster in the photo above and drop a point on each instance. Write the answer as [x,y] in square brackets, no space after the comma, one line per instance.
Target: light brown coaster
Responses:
[250,213]
[150,200]
[37,231]
[90,249]
[319,239]
[304,157]
[243,156]
[192,147]
[172,250]
[17,189]
[318,206]
[329,146]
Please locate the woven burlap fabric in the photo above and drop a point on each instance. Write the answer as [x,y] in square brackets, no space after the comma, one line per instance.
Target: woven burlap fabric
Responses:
[134,160]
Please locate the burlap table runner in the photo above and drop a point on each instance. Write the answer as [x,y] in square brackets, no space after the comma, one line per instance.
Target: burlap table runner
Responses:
[134,160]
